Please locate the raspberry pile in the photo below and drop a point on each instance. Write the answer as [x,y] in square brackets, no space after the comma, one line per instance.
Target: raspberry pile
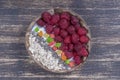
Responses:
[67,36]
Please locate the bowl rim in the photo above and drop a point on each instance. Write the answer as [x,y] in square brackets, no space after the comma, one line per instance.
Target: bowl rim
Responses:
[82,21]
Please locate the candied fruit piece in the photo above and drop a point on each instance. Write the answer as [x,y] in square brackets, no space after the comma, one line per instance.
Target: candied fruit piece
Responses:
[40,33]
[51,43]
[46,35]
[54,48]
[63,57]
[58,51]
[67,61]
[49,39]
[71,64]
[36,29]
[58,45]
[52,35]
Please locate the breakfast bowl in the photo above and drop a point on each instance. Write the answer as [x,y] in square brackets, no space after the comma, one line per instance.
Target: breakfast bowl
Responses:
[58,40]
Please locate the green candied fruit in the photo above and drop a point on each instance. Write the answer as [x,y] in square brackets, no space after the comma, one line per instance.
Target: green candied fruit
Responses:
[36,29]
[58,45]
[49,39]
[67,61]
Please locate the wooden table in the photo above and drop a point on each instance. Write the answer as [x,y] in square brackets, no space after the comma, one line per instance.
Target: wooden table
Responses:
[102,17]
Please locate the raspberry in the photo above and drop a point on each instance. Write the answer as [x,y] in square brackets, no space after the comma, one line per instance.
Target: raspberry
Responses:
[83,52]
[68,54]
[77,47]
[65,15]
[84,39]
[75,54]
[74,20]
[77,60]
[79,54]
[64,47]
[70,46]
[67,39]
[56,30]
[82,31]
[71,29]
[55,19]
[58,39]
[40,22]
[46,16]
[77,26]
[75,38]
[49,29]
[63,23]
[57,24]
[63,33]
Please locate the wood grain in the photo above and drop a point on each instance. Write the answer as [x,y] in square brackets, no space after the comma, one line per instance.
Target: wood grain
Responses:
[102,17]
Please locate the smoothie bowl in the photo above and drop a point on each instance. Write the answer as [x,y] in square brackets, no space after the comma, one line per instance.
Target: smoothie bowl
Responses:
[58,40]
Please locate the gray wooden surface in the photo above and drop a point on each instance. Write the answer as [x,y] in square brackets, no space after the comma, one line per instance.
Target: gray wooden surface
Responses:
[102,17]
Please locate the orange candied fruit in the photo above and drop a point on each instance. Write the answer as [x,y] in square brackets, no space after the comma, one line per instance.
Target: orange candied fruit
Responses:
[63,57]
[40,33]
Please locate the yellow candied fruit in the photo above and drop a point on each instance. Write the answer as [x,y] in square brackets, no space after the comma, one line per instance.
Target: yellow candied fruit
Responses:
[58,51]
[46,35]
[40,33]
